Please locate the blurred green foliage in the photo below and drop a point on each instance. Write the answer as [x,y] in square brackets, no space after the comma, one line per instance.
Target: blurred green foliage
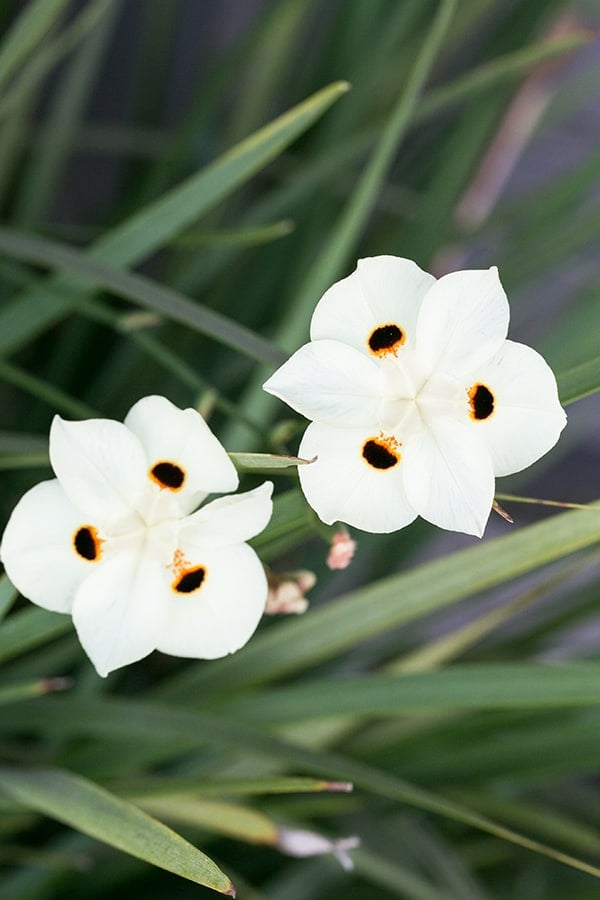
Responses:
[169,220]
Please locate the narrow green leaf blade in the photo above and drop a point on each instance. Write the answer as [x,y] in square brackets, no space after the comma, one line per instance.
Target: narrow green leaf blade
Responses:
[155,225]
[217,816]
[265,463]
[186,729]
[94,811]
[460,687]
[29,29]
[30,628]
[141,290]
[157,786]
[349,620]
[579,381]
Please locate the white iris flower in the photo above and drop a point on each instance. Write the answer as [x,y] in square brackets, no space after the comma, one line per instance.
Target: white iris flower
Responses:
[113,539]
[417,400]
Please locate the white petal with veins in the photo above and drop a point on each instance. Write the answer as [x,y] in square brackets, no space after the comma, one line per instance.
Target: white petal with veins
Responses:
[222,614]
[449,477]
[527,419]
[463,321]
[37,547]
[229,520]
[341,485]
[181,436]
[382,290]
[100,464]
[330,382]
[121,608]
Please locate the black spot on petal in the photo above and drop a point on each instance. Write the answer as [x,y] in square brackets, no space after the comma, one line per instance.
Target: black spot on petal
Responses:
[481,401]
[86,543]
[168,475]
[190,580]
[379,455]
[386,338]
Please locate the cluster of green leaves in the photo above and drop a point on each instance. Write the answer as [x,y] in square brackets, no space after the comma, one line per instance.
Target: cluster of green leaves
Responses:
[423,683]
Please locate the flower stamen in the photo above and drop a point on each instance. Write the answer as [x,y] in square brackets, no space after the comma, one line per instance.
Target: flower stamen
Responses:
[87,544]
[167,474]
[386,339]
[188,578]
[481,402]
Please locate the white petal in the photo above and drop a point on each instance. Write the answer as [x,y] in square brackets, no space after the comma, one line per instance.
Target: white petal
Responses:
[38,551]
[221,616]
[383,290]
[100,464]
[341,486]
[120,610]
[449,477]
[329,382]
[463,321]
[527,418]
[229,520]
[181,436]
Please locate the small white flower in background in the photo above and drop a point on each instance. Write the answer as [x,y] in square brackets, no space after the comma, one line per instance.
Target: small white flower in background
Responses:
[417,399]
[113,539]
[342,550]
[287,590]
[297,842]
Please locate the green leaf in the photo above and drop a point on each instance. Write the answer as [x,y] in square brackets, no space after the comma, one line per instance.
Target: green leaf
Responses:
[86,807]
[33,24]
[374,609]
[498,70]
[460,687]
[251,236]
[28,629]
[214,816]
[154,226]
[141,290]
[266,463]
[8,595]
[580,381]
[42,390]
[12,693]
[51,152]
[186,729]
[354,217]
[224,787]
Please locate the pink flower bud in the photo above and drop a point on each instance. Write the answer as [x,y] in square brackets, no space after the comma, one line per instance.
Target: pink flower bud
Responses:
[341,551]
[286,592]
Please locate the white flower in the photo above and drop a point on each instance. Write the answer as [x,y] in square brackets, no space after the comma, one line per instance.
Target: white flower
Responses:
[111,539]
[417,399]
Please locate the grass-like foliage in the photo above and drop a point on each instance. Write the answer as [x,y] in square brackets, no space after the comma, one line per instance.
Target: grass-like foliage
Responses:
[179,184]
